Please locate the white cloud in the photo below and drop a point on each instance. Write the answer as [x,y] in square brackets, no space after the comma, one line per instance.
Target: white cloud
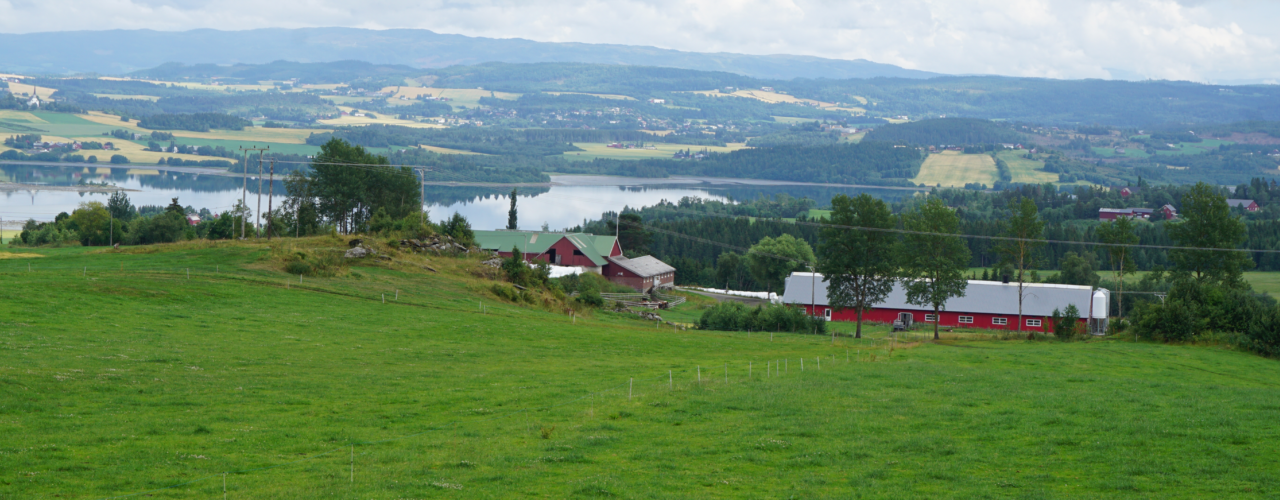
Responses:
[1201,40]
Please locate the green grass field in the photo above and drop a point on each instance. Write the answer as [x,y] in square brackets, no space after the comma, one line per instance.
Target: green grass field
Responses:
[952,169]
[1024,170]
[122,375]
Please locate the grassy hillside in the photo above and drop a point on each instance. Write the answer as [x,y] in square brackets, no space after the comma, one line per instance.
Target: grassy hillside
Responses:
[122,375]
[952,169]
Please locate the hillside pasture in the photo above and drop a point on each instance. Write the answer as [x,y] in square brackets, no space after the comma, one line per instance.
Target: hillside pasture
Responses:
[953,169]
[320,388]
[593,150]
[1024,170]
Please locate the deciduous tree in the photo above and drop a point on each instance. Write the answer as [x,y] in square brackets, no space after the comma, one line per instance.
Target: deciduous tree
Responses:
[1027,232]
[933,257]
[858,265]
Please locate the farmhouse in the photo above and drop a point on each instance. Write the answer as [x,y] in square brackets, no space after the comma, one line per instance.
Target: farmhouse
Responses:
[986,304]
[1248,205]
[598,254]
[641,273]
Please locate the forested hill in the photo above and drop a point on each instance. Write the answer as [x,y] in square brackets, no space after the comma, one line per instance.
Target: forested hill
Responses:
[121,51]
[946,131]
[869,163]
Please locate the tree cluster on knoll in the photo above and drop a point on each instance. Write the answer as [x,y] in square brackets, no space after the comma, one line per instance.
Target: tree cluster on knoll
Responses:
[197,122]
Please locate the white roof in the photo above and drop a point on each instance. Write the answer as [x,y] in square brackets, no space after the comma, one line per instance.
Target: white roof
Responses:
[983,297]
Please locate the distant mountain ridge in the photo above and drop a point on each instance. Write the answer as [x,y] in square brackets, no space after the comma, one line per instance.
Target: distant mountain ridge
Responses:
[124,51]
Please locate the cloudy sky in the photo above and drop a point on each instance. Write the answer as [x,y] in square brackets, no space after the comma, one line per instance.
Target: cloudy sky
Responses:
[1219,41]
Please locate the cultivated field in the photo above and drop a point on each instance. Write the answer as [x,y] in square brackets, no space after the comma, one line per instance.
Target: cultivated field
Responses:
[953,169]
[595,150]
[775,97]
[458,97]
[1024,170]
[257,135]
[23,89]
[381,119]
[602,96]
[200,86]
[126,376]
[128,96]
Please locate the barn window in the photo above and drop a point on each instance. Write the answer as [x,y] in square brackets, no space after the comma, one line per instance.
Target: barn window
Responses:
[966,319]
[999,321]
[577,252]
[1033,322]
[931,317]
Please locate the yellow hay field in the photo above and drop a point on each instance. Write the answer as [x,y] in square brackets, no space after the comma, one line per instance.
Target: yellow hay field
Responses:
[380,120]
[136,153]
[449,151]
[280,135]
[602,96]
[457,97]
[7,75]
[127,96]
[24,89]
[953,169]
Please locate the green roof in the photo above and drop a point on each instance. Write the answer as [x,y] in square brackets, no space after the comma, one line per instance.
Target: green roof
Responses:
[594,247]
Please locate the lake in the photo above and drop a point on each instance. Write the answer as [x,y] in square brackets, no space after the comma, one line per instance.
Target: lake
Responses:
[567,202]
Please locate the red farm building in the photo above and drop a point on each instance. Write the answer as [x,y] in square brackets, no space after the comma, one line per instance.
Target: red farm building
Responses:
[641,273]
[986,304]
[1248,205]
[595,253]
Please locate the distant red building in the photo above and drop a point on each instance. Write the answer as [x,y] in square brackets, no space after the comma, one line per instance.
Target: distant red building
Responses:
[1248,205]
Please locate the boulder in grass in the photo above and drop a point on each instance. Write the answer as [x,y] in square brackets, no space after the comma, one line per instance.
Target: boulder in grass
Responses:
[357,253]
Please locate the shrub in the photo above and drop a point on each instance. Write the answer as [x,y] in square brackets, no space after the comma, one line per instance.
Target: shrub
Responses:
[734,316]
[1174,320]
[1066,323]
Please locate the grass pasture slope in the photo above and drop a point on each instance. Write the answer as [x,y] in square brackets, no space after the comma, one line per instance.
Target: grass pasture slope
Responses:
[953,169]
[1026,171]
[125,376]
[593,150]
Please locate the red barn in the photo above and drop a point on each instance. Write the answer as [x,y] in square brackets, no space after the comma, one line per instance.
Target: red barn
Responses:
[986,304]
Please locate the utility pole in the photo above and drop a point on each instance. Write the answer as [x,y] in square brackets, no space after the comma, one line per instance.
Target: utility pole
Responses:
[244,189]
[271,191]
